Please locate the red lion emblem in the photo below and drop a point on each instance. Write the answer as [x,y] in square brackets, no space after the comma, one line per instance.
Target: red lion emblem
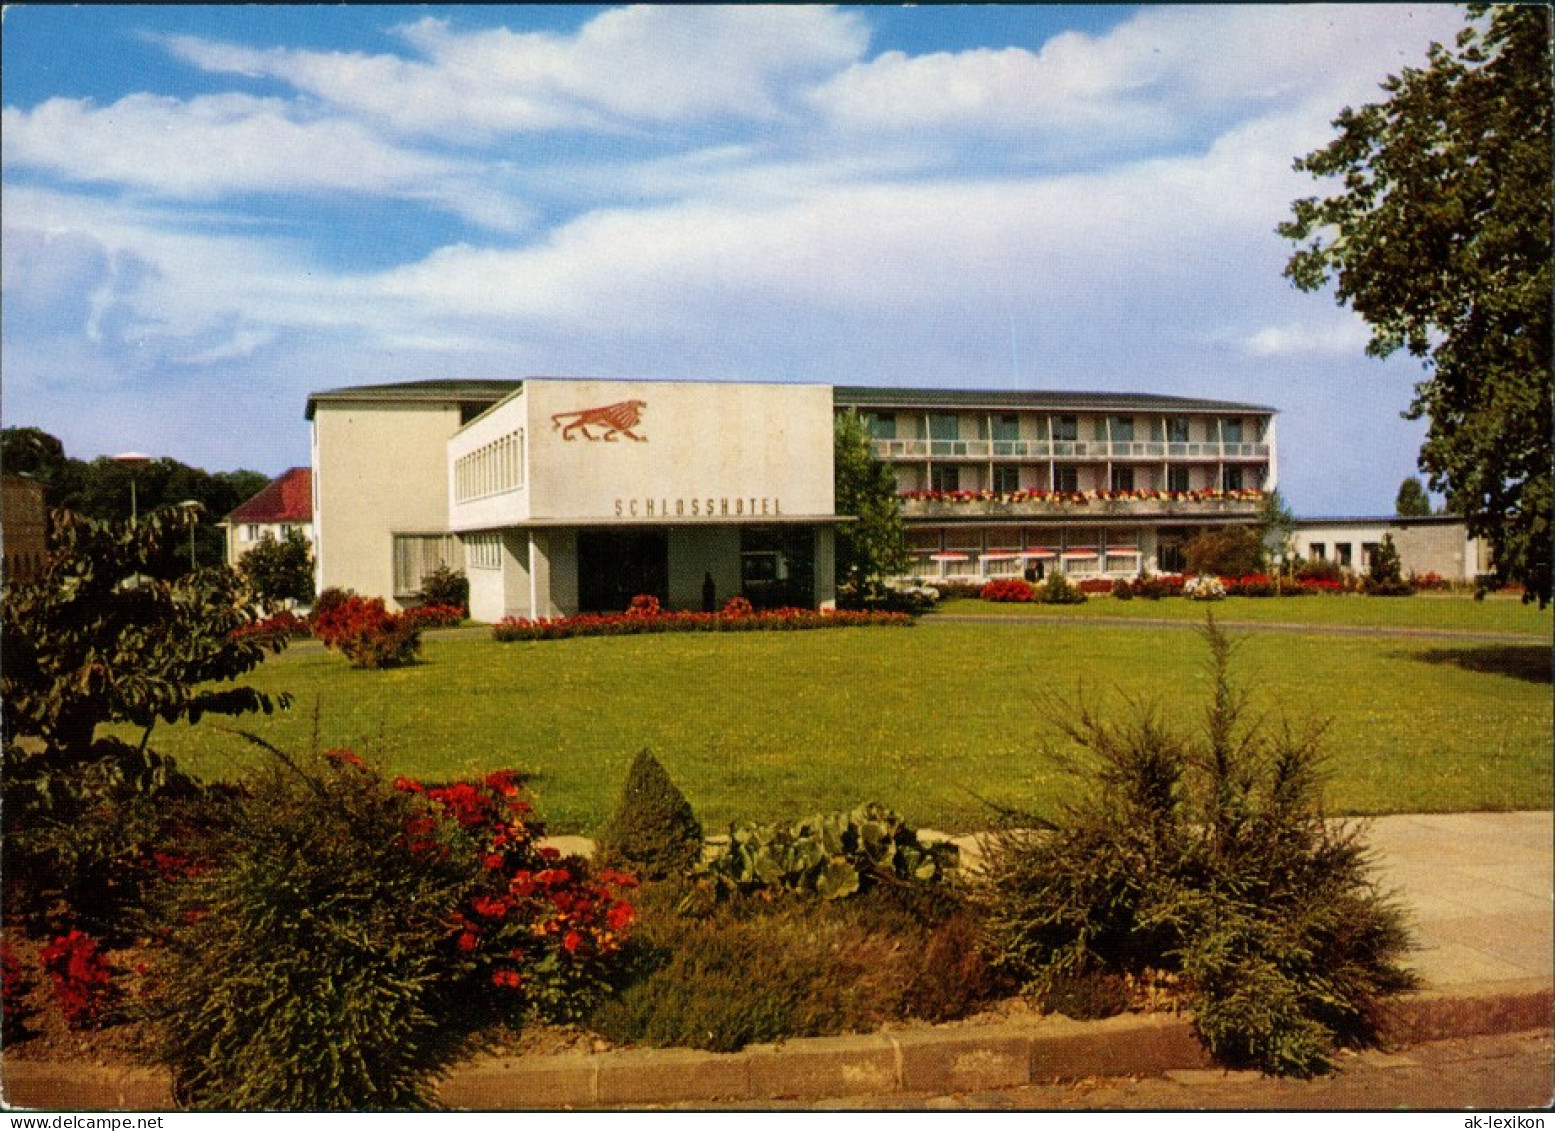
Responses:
[616,419]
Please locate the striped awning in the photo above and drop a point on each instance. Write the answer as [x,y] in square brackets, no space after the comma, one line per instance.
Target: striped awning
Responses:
[1080,554]
[949,556]
[998,556]
[1038,553]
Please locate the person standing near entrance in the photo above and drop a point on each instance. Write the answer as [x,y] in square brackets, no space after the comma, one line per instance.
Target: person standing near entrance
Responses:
[709,593]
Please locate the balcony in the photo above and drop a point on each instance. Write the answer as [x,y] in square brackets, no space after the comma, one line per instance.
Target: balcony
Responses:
[1080,504]
[1064,449]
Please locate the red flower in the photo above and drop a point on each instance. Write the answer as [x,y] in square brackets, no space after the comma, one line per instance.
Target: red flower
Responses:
[571,941]
[620,916]
[468,941]
[491,906]
[509,979]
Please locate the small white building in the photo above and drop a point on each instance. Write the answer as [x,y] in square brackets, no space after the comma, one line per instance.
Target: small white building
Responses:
[1437,544]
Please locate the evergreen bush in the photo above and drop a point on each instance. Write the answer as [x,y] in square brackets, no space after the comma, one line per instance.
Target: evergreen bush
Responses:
[653,828]
[446,586]
[1059,590]
[1208,858]
[1386,576]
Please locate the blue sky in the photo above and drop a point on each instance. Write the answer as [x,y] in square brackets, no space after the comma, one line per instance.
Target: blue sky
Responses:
[209,212]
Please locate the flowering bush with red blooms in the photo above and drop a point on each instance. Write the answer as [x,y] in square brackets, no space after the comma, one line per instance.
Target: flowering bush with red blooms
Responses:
[1321,585]
[434,616]
[534,925]
[1250,585]
[83,985]
[284,625]
[367,633]
[1008,589]
[1082,498]
[738,606]
[1429,580]
[644,605]
[628,624]
[1094,585]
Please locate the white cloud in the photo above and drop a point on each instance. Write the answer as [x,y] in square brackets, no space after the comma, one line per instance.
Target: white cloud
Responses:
[625,68]
[1345,338]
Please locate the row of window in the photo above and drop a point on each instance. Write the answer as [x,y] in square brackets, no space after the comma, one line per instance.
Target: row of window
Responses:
[483,551]
[1006,478]
[491,468]
[1344,552]
[1115,429]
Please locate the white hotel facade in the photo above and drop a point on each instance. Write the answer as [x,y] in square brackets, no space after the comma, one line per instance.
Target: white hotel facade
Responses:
[562,495]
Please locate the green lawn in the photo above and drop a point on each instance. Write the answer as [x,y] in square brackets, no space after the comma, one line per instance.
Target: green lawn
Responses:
[926,719]
[1446,612]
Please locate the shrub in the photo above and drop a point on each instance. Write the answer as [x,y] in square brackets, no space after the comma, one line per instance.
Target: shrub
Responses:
[434,616]
[653,828]
[353,934]
[1386,576]
[366,633]
[628,624]
[738,606]
[280,570]
[1318,569]
[1008,589]
[1148,587]
[1251,585]
[1057,590]
[1230,552]
[1123,589]
[1094,586]
[951,589]
[1429,581]
[447,586]
[1208,858]
[771,969]
[83,985]
[1204,589]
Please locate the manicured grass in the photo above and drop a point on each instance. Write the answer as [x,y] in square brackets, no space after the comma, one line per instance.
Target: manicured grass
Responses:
[1447,612]
[926,720]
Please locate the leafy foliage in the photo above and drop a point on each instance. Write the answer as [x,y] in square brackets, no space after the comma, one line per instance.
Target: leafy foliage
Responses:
[830,855]
[653,828]
[100,489]
[1412,501]
[769,969]
[1205,857]
[104,636]
[110,633]
[1441,240]
[1008,589]
[83,984]
[874,547]
[354,933]
[1057,589]
[280,570]
[1231,552]
[365,632]
[446,586]
[1386,576]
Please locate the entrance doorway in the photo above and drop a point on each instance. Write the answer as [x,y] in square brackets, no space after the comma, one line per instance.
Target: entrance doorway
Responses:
[616,565]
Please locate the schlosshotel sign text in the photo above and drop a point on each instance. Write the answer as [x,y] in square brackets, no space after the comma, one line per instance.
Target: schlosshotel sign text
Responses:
[697,508]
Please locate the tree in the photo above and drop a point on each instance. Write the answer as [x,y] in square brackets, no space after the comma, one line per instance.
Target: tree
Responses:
[1441,241]
[1412,502]
[280,570]
[1235,551]
[875,546]
[1276,525]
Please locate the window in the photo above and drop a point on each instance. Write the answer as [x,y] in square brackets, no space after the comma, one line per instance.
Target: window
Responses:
[483,551]
[1177,430]
[1123,479]
[1066,479]
[1367,550]
[1066,428]
[1177,479]
[1122,429]
[1231,479]
[944,426]
[416,555]
[1342,554]
[945,477]
[1099,430]
[1006,427]
[1318,551]
[491,468]
[881,425]
[1006,479]
[251,532]
[1231,430]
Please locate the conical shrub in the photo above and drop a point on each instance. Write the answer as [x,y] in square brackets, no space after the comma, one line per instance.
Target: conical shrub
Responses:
[653,829]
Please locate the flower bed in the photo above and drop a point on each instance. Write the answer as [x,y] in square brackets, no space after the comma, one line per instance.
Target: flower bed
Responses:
[1081,498]
[645,620]
[1008,589]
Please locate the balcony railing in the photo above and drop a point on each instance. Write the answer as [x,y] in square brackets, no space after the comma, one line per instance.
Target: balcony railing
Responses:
[934,504]
[1063,449]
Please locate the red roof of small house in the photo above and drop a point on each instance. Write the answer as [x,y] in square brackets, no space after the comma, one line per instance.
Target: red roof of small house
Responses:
[286,499]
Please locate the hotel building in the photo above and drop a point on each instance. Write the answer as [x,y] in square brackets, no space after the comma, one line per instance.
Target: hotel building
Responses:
[562,495]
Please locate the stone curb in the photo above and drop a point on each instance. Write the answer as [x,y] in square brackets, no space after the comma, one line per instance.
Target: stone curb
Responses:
[931,1060]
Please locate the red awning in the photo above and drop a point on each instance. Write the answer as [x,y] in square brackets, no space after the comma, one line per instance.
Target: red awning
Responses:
[1038,553]
[1080,554]
[949,557]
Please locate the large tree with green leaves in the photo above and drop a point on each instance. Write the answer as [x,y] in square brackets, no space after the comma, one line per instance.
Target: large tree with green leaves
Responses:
[874,546]
[1412,500]
[1441,240]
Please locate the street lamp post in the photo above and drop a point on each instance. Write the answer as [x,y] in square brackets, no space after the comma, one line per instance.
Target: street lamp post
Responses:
[187,504]
[132,460]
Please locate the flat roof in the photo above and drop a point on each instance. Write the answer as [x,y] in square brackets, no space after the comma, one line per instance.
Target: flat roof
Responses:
[1387,520]
[487,392]
[867,396]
